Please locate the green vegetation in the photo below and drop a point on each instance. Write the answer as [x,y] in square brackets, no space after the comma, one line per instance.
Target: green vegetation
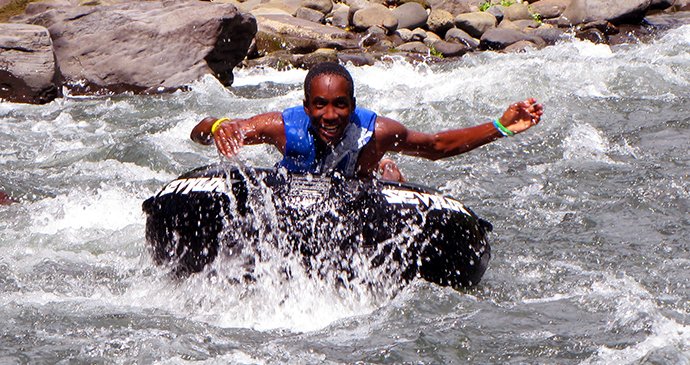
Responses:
[537,18]
[434,52]
[486,5]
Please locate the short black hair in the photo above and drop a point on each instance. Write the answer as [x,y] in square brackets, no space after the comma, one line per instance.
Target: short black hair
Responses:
[328,68]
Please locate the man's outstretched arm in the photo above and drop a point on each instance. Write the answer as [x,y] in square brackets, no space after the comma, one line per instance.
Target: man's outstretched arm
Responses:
[518,118]
[231,135]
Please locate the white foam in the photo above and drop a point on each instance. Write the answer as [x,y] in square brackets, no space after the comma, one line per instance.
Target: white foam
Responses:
[586,143]
[109,208]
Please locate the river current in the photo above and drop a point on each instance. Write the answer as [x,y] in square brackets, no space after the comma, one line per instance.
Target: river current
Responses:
[590,212]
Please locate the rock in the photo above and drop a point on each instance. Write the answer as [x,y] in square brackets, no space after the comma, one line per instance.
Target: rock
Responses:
[661,4]
[405,34]
[287,33]
[311,15]
[318,56]
[497,11]
[517,11]
[280,60]
[323,6]
[374,15]
[439,21]
[603,26]
[593,35]
[395,38]
[456,35]
[245,6]
[455,7]
[358,58]
[355,6]
[614,11]
[410,15]
[341,16]
[423,3]
[507,24]
[631,34]
[5,199]
[548,8]
[496,39]
[431,39]
[520,47]
[268,11]
[27,65]
[375,38]
[419,34]
[549,34]
[288,6]
[447,49]
[525,24]
[144,47]
[414,47]
[681,5]
[475,24]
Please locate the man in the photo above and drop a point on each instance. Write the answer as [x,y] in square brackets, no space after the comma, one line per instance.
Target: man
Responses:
[329,133]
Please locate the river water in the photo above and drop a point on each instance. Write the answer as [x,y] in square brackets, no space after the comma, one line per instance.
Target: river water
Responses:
[590,211]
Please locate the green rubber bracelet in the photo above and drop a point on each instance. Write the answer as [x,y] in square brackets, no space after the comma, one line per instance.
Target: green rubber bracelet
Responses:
[504,131]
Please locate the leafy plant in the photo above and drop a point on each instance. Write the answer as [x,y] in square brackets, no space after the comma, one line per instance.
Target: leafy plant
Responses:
[486,5]
[434,52]
[537,17]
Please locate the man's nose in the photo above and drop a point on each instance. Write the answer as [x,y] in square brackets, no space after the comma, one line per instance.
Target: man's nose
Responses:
[329,112]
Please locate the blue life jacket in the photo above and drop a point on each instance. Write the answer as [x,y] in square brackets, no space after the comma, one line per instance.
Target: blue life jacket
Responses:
[300,148]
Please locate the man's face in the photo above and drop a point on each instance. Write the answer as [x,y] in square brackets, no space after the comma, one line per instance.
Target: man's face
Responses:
[329,107]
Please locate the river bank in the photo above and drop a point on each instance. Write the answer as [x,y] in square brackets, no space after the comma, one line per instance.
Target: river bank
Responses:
[100,48]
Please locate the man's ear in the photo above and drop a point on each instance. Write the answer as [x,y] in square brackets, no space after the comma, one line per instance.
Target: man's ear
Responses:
[306,106]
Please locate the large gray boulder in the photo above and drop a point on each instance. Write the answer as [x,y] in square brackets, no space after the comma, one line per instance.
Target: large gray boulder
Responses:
[476,23]
[549,8]
[375,15]
[615,11]
[410,15]
[143,47]
[27,66]
[517,11]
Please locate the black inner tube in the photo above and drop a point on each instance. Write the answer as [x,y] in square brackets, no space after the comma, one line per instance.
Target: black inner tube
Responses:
[405,229]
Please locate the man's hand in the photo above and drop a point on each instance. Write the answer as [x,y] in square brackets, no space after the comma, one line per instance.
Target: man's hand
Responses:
[229,138]
[521,116]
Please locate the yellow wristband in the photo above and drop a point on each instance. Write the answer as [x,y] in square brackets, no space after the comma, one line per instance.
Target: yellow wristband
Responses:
[216,124]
